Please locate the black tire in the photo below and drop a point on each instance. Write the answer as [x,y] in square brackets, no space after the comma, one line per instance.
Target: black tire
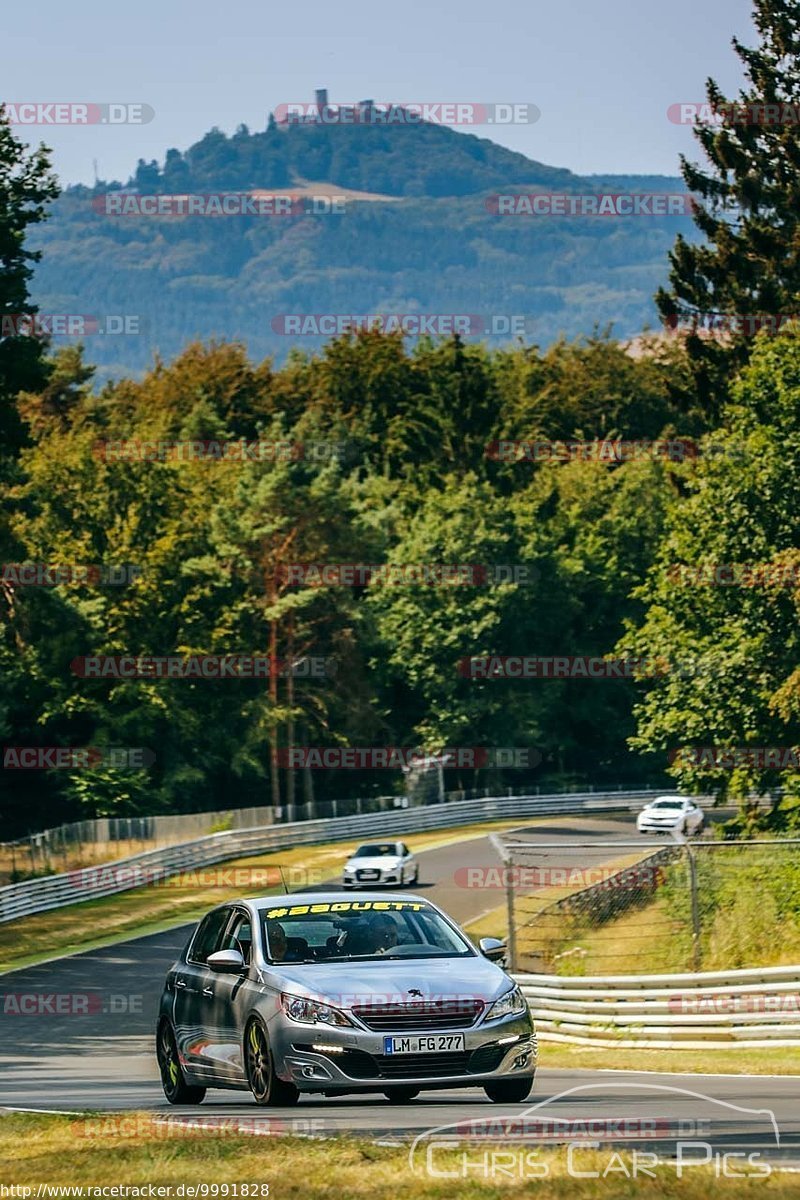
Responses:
[401,1095]
[265,1085]
[173,1081]
[509,1091]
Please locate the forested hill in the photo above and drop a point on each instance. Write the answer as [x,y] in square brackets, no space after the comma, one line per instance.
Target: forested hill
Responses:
[398,160]
[419,237]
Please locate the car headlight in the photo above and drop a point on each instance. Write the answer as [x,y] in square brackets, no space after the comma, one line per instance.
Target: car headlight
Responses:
[312,1012]
[513,1003]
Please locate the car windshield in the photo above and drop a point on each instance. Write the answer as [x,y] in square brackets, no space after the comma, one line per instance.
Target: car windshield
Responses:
[377,851]
[668,804]
[350,930]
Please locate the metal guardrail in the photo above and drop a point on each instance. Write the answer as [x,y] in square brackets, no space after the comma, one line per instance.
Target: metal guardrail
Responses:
[708,1010]
[90,883]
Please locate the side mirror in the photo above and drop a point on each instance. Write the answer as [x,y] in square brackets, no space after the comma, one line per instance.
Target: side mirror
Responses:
[227,962]
[492,948]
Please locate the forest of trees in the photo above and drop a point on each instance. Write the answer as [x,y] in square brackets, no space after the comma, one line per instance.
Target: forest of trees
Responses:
[399,466]
[432,247]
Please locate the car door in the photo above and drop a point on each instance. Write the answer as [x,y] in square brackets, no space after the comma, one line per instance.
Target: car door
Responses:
[225,999]
[193,988]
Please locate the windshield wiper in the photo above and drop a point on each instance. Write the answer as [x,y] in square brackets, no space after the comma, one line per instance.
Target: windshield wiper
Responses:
[422,954]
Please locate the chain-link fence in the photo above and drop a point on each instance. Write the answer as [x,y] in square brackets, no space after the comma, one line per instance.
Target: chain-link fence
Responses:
[618,907]
[100,839]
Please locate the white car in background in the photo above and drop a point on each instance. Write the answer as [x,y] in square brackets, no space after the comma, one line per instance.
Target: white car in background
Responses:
[377,863]
[671,814]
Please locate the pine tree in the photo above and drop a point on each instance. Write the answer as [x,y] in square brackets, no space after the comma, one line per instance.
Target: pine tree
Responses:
[26,185]
[747,206]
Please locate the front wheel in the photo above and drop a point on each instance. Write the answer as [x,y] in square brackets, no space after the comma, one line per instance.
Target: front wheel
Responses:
[176,1089]
[401,1095]
[265,1085]
[509,1091]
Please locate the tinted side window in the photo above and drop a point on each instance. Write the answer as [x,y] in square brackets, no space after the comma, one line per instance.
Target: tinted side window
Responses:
[208,934]
[239,936]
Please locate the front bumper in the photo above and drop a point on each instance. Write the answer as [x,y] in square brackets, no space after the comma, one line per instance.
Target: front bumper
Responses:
[386,879]
[651,826]
[321,1058]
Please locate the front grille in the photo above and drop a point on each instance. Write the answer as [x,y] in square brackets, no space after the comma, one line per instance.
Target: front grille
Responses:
[424,1015]
[421,1066]
[360,1065]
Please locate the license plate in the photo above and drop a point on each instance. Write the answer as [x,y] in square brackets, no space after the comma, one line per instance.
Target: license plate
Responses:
[369,874]
[424,1043]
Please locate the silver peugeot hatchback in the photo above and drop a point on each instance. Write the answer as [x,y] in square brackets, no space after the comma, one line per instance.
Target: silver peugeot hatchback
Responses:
[327,993]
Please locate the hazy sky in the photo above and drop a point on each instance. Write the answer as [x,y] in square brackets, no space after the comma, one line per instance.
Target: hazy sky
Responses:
[603,74]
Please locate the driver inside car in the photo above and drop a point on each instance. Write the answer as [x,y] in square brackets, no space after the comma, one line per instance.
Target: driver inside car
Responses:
[276,941]
[383,932]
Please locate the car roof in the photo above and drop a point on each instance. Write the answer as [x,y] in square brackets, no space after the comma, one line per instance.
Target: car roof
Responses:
[668,797]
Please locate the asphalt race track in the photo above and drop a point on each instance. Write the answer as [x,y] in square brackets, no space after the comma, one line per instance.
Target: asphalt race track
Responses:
[102,1060]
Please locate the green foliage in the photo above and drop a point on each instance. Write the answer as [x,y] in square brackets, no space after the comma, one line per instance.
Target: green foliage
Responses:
[413,484]
[734,680]
[748,202]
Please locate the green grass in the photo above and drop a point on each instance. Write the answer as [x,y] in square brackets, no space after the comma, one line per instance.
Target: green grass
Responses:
[39,1150]
[777,1060]
[749,908]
